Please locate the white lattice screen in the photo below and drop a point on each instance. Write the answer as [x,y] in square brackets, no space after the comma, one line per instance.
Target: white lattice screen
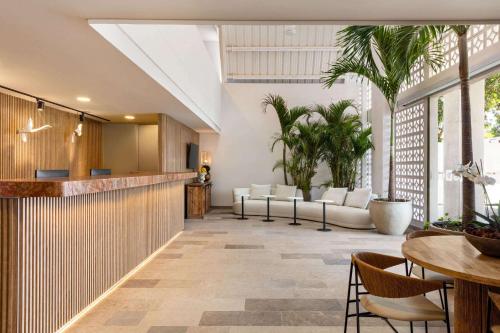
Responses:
[411,157]
[479,37]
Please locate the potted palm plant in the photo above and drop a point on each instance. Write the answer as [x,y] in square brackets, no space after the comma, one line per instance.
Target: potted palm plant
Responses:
[305,141]
[287,118]
[346,142]
[385,55]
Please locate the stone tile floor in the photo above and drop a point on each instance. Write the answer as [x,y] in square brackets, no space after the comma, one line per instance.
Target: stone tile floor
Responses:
[223,275]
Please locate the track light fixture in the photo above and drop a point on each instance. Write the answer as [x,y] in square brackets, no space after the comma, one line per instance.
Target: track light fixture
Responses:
[40,104]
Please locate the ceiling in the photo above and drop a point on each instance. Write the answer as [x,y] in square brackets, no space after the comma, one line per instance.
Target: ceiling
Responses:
[49,50]
[278,53]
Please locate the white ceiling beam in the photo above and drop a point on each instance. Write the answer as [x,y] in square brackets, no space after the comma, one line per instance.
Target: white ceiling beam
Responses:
[282,48]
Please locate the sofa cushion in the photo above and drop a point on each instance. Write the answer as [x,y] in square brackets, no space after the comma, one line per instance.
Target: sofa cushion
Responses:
[238,192]
[257,191]
[349,217]
[283,192]
[335,194]
[359,198]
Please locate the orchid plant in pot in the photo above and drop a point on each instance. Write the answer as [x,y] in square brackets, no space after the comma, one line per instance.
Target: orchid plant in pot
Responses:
[483,235]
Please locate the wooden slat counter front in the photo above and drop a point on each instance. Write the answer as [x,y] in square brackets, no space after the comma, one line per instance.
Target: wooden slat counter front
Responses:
[65,242]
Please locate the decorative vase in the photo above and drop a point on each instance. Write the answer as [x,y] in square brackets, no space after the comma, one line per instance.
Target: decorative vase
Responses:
[391,218]
[201,177]
[487,246]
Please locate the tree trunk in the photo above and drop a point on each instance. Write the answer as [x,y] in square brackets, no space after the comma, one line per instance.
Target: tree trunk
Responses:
[306,194]
[284,164]
[392,161]
[468,194]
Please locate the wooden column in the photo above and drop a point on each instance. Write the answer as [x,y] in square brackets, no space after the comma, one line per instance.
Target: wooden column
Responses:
[173,138]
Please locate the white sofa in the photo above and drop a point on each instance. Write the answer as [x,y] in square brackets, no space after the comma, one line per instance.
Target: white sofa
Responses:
[343,216]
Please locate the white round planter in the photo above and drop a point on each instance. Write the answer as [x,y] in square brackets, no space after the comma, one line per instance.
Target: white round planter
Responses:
[391,218]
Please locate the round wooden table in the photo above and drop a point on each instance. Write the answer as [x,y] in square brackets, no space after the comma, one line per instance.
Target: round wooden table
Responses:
[472,271]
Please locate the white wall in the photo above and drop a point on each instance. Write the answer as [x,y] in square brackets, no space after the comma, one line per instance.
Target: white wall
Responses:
[241,153]
[129,148]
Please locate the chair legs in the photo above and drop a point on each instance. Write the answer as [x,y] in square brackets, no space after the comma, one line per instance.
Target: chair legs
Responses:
[446,310]
[348,299]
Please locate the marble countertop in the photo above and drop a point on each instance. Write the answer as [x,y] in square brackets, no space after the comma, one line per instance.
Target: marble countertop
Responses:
[65,187]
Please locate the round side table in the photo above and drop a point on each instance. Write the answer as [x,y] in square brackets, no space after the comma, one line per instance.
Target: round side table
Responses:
[243,196]
[268,198]
[295,210]
[324,229]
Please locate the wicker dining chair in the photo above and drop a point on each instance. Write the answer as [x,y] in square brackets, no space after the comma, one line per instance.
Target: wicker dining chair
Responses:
[419,270]
[389,295]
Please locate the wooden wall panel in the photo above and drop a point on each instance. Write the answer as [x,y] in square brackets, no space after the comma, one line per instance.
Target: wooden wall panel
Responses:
[50,149]
[61,254]
[173,138]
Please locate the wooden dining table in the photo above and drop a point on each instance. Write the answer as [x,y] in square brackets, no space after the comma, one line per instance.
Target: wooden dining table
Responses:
[472,271]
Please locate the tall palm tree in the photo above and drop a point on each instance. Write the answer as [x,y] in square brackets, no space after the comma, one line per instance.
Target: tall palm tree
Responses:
[287,118]
[385,55]
[305,141]
[345,143]
[468,191]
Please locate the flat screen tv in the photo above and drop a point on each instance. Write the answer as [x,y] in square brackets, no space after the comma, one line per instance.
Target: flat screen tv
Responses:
[192,156]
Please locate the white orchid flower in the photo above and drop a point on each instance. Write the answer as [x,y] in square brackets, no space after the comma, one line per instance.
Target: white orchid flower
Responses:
[484,180]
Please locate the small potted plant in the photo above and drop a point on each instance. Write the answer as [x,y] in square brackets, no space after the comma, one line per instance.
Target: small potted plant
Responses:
[484,236]
[448,225]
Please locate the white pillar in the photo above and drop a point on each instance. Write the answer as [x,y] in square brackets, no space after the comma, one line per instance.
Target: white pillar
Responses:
[435,166]
[477,117]
[452,153]
[381,129]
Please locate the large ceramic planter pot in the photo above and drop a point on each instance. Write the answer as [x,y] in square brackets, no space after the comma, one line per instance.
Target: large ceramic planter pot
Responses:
[391,218]
[487,246]
[435,226]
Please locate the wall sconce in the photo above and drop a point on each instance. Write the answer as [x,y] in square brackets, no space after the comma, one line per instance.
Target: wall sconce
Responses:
[206,159]
[29,129]
[78,130]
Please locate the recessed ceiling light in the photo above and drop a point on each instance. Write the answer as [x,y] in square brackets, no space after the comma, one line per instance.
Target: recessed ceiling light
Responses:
[83,99]
[129,117]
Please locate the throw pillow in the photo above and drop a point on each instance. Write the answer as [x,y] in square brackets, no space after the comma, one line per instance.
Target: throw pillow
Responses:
[359,198]
[283,192]
[257,191]
[335,194]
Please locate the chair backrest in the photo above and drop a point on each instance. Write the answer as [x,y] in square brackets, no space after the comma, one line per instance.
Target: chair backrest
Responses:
[51,173]
[378,282]
[423,233]
[100,172]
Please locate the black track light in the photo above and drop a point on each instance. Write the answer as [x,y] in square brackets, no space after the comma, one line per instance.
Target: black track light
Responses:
[82,115]
[40,105]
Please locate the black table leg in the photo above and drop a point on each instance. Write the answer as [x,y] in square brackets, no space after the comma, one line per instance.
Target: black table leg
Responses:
[324,219]
[294,213]
[242,209]
[268,219]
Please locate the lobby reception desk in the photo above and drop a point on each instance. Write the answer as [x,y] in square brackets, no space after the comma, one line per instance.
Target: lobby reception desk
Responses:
[65,242]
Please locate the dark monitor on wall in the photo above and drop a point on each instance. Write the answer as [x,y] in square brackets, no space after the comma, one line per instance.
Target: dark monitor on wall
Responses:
[192,156]
[51,173]
[100,172]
